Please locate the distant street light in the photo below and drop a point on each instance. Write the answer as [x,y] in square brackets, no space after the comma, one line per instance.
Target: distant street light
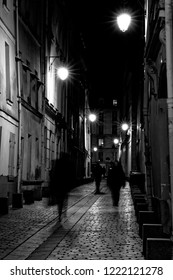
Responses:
[124,126]
[95,149]
[123,21]
[62,73]
[116,141]
[92,117]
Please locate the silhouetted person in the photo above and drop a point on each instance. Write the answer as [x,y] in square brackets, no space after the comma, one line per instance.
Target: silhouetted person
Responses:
[62,180]
[97,172]
[115,179]
[103,171]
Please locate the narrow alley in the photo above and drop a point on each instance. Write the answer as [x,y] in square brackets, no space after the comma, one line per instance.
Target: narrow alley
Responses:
[93,229]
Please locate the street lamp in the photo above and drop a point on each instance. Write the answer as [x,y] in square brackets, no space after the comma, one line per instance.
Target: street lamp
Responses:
[124,126]
[123,21]
[92,117]
[116,141]
[95,149]
[63,73]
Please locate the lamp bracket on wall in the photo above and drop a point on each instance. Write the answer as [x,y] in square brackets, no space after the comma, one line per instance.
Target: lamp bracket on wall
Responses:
[152,74]
[54,57]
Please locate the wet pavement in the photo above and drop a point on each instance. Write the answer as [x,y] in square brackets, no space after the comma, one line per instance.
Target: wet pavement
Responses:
[93,229]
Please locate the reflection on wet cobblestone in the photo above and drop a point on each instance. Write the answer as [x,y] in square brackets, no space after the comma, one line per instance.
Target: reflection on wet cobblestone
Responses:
[103,232]
[93,229]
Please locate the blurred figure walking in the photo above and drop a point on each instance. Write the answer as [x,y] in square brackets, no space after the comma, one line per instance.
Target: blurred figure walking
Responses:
[115,180]
[97,172]
[62,180]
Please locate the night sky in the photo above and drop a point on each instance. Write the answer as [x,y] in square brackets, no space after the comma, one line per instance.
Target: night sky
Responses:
[108,50]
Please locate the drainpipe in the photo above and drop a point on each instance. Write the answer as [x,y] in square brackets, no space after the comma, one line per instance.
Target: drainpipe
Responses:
[169,65]
[18,60]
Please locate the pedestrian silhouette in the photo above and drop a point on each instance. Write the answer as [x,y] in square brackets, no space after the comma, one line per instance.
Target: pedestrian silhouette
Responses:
[97,172]
[115,180]
[62,180]
[104,171]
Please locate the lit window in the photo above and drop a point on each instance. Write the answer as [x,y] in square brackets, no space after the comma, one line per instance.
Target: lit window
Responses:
[114,102]
[101,143]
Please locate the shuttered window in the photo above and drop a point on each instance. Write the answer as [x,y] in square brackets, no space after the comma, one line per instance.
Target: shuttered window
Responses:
[7,72]
[11,154]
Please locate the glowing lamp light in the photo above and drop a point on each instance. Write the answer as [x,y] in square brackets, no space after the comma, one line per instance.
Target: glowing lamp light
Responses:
[124,126]
[92,117]
[62,73]
[123,21]
[116,141]
[95,149]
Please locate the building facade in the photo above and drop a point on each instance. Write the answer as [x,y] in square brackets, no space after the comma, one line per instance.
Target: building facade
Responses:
[104,130]
[8,100]
[156,113]
[41,116]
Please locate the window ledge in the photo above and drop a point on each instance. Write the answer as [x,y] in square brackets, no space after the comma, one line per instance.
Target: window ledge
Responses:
[6,8]
[9,102]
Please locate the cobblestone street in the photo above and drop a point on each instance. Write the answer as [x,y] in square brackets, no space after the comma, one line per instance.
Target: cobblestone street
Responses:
[92,229]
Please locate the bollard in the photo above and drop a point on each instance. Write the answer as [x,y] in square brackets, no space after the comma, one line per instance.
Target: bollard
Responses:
[158,249]
[139,200]
[17,200]
[3,205]
[140,207]
[28,196]
[37,193]
[138,178]
[146,217]
[151,231]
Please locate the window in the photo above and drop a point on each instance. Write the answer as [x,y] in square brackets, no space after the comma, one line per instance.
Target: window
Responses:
[28,82]
[114,116]
[51,148]
[114,102]
[37,167]
[22,154]
[101,115]
[114,129]
[101,129]
[0,138]
[34,89]
[100,142]
[24,82]
[6,3]
[29,150]
[45,147]
[26,92]
[7,71]
[11,165]
[36,150]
